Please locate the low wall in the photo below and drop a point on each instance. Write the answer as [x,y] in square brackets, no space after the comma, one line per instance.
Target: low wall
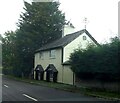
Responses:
[111,86]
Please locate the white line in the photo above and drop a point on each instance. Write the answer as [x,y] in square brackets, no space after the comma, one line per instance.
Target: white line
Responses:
[30,97]
[6,86]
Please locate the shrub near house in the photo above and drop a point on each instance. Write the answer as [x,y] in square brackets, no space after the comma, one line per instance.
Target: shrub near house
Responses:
[100,63]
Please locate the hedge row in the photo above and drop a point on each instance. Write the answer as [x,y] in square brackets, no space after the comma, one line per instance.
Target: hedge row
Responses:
[101,62]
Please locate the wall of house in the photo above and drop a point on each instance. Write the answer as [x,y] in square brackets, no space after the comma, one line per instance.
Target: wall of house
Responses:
[67,75]
[46,60]
[75,44]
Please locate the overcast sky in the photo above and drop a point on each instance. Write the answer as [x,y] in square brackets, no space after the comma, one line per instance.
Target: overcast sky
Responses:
[102,16]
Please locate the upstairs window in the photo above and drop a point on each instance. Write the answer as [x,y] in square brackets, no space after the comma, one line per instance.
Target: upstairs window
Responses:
[41,56]
[84,37]
[52,53]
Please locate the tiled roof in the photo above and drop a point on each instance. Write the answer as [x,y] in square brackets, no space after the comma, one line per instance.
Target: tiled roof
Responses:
[65,40]
[51,67]
[66,63]
[39,68]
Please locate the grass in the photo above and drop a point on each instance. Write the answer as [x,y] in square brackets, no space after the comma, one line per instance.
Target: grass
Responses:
[103,94]
[43,83]
[71,88]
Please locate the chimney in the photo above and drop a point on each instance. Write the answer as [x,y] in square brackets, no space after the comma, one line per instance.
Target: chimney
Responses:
[68,29]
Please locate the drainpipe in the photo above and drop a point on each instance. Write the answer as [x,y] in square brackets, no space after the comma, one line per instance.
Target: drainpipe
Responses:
[73,78]
[62,73]
[62,62]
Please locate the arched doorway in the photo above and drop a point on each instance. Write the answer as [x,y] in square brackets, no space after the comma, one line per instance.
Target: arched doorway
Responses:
[39,72]
[51,73]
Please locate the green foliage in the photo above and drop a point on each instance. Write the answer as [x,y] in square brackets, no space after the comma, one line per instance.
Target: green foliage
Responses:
[41,20]
[8,51]
[99,63]
[41,23]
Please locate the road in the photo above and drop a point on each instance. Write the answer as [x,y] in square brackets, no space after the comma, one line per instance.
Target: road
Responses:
[13,90]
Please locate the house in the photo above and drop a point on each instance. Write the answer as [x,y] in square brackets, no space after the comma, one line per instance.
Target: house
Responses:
[51,60]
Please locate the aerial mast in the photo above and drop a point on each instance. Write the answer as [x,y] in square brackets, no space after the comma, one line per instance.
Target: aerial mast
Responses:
[85,22]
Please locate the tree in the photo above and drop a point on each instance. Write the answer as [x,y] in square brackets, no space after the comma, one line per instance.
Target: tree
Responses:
[8,52]
[40,24]
[43,20]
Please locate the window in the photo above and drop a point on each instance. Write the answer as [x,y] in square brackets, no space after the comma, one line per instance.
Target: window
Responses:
[84,37]
[41,55]
[52,53]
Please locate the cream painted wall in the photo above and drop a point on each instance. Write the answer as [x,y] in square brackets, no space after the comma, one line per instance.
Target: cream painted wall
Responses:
[75,44]
[47,60]
[67,75]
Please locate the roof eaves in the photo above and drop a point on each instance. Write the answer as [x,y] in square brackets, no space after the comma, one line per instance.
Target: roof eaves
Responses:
[48,49]
[66,62]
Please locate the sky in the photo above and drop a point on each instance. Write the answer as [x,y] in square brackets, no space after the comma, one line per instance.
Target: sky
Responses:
[102,16]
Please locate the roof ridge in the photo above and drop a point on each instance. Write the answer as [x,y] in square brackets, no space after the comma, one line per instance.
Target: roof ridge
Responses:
[73,33]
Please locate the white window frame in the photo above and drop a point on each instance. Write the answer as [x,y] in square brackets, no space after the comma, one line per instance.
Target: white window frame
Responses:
[41,55]
[84,37]
[52,54]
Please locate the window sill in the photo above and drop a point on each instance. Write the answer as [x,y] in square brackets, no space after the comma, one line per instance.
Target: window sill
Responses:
[41,59]
[52,58]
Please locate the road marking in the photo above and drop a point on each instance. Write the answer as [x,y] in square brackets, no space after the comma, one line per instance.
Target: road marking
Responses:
[6,86]
[30,97]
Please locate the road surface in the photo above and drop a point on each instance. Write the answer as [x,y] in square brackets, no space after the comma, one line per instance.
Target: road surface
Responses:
[13,90]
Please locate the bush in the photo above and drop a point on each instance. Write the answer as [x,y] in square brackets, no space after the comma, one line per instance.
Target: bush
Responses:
[99,62]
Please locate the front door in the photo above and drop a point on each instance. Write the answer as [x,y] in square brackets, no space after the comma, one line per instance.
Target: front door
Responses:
[36,76]
[51,76]
[39,76]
